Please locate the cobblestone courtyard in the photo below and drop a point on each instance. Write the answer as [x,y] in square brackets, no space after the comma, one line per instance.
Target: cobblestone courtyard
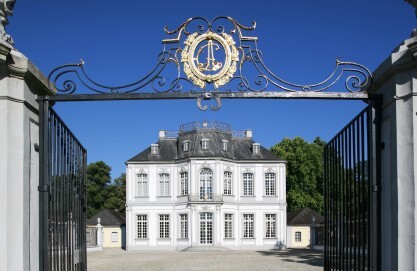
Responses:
[120,260]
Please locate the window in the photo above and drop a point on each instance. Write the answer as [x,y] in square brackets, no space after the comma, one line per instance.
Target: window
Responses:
[298,236]
[204,144]
[206,184]
[228,226]
[248,184]
[225,144]
[163,226]
[227,183]
[256,148]
[186,145]
[142,185]
[142,226]
[269,184]
[248,226]
[270,222]
[154,148]
[164,184]
[114,237]
[184,226]
[184,183]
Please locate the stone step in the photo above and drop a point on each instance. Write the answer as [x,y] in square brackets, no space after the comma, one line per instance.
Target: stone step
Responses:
[205,249]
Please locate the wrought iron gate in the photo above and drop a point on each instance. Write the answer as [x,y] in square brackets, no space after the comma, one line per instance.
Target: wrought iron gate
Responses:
[351,195]
[237,72]
[62,198]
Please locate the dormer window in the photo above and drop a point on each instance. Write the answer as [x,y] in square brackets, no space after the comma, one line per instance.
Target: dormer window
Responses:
[204,144]
[154,149]
[186,145]
[256,148]
[225,145]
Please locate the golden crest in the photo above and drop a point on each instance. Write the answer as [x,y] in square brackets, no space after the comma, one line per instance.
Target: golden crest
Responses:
[209,69]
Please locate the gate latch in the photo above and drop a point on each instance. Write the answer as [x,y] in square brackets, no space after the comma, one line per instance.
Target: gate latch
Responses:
[43,188]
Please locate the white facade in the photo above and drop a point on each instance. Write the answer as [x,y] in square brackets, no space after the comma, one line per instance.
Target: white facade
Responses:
[191,202]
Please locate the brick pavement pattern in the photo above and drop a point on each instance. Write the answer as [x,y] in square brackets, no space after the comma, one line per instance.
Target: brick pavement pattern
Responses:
[120,260]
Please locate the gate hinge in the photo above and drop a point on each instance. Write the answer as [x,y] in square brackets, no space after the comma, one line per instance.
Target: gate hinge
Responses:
[375,188]
[43,188]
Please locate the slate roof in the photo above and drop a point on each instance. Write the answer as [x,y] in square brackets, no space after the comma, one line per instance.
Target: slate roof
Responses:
[108,218]
[303,217]
[170,149]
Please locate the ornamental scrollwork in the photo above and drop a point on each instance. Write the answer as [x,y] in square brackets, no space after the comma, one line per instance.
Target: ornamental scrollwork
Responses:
[213,59]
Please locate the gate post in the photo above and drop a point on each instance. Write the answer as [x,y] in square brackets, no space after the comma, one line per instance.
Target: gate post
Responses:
[20,82]
[396,79]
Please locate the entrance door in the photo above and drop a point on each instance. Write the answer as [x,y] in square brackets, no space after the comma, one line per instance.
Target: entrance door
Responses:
[206,184]
[206,228]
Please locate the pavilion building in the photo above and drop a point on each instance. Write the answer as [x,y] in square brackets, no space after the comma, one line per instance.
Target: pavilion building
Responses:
[205,186]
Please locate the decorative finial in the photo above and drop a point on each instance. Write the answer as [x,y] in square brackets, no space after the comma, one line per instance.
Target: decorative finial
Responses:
[6,9]
[414,4]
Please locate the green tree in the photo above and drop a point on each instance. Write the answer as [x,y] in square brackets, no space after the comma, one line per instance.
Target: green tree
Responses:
[98,179]
[116,199]
[304,172]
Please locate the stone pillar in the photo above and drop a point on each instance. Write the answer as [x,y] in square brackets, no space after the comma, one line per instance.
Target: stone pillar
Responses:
[396,80]
[20,82]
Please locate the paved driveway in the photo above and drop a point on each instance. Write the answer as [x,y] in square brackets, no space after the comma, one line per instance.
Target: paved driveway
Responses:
[120,260]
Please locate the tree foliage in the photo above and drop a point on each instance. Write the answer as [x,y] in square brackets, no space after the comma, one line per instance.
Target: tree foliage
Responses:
[304,172]
[101,192]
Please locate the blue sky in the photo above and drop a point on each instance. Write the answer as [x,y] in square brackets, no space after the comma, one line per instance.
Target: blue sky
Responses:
[120,41]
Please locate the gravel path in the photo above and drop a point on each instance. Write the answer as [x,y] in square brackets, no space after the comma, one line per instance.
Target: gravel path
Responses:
[120,260]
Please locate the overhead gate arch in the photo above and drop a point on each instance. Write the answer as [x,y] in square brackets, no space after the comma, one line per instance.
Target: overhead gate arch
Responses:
[349,184]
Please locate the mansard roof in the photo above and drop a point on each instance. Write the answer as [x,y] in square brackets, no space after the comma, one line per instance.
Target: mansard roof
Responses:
[171,147]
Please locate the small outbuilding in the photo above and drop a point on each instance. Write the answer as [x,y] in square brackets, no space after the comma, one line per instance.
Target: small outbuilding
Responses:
[299,225]
[113,225]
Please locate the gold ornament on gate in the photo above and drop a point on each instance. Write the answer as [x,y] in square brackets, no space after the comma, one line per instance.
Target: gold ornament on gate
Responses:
[209,69]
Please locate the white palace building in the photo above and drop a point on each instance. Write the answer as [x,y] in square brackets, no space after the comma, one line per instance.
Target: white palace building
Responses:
[205,186]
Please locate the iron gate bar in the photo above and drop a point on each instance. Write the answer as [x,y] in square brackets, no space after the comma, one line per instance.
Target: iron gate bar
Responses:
[376,171]
[43,183]
[352,194]
[207,96]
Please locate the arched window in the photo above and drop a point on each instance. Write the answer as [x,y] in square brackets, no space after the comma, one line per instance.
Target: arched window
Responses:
[206,183]
[142,185]
[164,184]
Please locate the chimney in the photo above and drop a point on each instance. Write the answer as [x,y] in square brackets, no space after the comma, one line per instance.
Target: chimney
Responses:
[161,134]
[248,133]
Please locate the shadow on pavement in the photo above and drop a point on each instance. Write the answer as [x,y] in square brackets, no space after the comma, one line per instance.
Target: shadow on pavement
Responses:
[302,256]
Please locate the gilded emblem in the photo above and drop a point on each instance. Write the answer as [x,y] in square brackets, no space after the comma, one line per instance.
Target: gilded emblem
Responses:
[209,58]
